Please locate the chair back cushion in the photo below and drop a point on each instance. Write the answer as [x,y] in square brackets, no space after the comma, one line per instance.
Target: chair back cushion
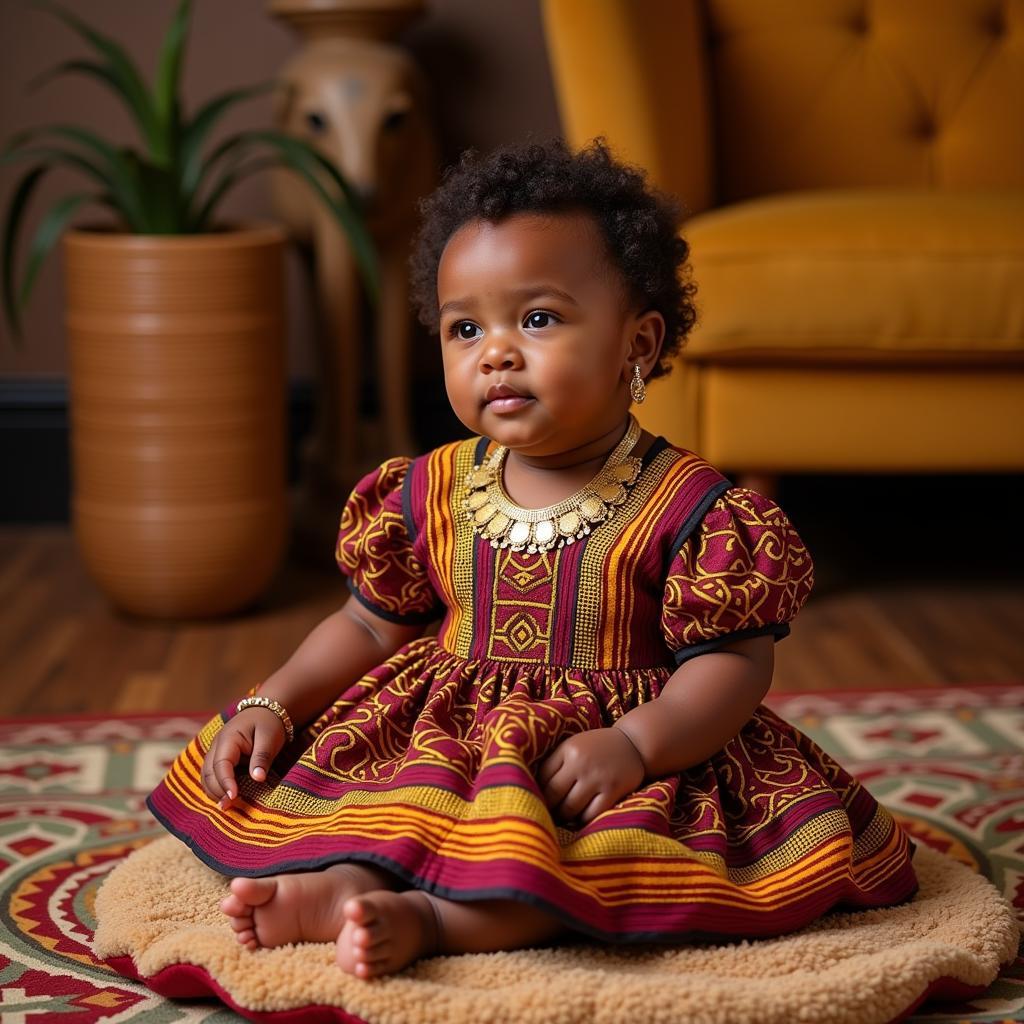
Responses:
[833,93]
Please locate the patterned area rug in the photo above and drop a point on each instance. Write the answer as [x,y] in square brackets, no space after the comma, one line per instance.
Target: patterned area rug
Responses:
[948,762]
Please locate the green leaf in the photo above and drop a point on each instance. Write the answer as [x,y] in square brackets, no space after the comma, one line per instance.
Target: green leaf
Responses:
[237,172]
[309,163]
[124,185]
[67,131]
[157,189]
[199,127]
[54,156]
[312,166]
[48,235]
[165,91]
[121,72]
[80,67]
[232,151]
[12,229]
[303,150]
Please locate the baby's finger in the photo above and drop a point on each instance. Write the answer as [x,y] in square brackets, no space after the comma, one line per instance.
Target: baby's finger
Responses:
[557,790]
[210,784]
[224,770]
[597,806]
[548,768]
[574,802]
[264,743]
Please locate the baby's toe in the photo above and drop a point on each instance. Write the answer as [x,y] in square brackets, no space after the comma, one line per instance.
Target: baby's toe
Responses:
[234,907]
[364,938]
[253,891]
[346,953]
[360,911]
[396,935]
[377,960]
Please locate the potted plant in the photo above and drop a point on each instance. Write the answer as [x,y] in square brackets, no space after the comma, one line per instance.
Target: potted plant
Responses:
[176,326]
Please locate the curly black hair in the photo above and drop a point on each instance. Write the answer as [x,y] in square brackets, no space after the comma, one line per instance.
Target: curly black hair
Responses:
[639,223]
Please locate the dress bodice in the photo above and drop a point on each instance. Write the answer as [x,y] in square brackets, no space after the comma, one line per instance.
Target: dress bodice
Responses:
[688,563]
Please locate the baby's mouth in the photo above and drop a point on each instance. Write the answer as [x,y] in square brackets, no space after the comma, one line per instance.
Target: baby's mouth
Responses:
[508,403]
[505,398]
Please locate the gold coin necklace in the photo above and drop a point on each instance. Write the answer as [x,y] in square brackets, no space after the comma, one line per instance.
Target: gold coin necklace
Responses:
[496,518]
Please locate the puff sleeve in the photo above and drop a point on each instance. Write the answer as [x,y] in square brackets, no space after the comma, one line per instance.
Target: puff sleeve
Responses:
[743,572]
[375,549]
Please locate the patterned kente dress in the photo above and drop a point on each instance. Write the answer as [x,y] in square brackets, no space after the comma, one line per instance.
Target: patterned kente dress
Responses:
[426,765]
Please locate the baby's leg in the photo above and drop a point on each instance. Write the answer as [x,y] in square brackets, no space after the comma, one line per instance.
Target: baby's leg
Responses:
[303,906]
[386,931]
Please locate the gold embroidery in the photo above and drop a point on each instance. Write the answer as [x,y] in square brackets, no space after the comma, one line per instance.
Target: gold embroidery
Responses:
[597,613]
[462,556]
[520,629]
[374,549]
[767,579]
[528,573]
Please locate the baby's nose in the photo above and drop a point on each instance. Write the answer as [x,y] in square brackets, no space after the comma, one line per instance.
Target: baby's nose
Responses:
[500,353]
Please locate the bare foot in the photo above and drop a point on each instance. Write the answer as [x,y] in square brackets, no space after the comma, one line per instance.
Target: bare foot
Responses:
[303,907]
[385,931]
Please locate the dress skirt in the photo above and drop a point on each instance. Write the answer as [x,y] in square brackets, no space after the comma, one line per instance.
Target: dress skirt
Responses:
[426,766]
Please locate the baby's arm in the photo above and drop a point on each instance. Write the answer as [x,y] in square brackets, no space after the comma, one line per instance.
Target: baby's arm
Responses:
[341,649]
[704,704]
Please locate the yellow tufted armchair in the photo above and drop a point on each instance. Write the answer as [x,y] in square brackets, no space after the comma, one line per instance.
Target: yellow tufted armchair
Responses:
[854,173]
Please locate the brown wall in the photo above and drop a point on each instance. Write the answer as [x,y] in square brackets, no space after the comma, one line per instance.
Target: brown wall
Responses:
[485,58]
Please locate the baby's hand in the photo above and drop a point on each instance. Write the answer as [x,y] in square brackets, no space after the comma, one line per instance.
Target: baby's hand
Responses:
[257,732]
[588,773]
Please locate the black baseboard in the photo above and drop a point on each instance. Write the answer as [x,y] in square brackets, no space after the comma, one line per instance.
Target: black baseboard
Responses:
[35,462]
[34,456]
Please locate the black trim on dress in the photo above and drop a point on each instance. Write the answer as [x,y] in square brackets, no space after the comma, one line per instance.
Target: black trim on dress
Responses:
[695,517]
[658,445]
[410,619]
[480,451]
[780,629]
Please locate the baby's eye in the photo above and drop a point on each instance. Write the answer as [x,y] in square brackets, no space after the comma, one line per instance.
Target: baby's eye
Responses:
[538,318]
[463,329]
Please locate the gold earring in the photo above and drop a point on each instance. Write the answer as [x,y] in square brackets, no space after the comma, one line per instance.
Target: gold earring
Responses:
[637,388]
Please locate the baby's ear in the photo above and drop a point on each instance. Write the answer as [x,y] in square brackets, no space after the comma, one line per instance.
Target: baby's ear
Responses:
[648,337]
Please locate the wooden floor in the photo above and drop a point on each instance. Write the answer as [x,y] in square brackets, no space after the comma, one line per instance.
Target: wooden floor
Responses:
[930,609]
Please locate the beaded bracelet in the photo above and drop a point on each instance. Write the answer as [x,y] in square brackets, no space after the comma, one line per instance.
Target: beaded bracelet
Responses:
[270,705]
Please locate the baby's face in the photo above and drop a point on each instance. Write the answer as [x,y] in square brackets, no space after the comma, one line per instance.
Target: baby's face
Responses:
[535,331]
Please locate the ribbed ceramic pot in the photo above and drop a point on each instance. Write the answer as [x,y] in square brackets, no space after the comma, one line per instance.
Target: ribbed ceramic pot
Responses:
[177,383]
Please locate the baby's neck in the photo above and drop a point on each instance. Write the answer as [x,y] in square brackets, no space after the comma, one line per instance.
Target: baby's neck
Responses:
[539,481]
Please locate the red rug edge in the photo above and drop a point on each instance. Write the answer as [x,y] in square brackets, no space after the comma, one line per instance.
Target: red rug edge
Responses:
[187,981]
